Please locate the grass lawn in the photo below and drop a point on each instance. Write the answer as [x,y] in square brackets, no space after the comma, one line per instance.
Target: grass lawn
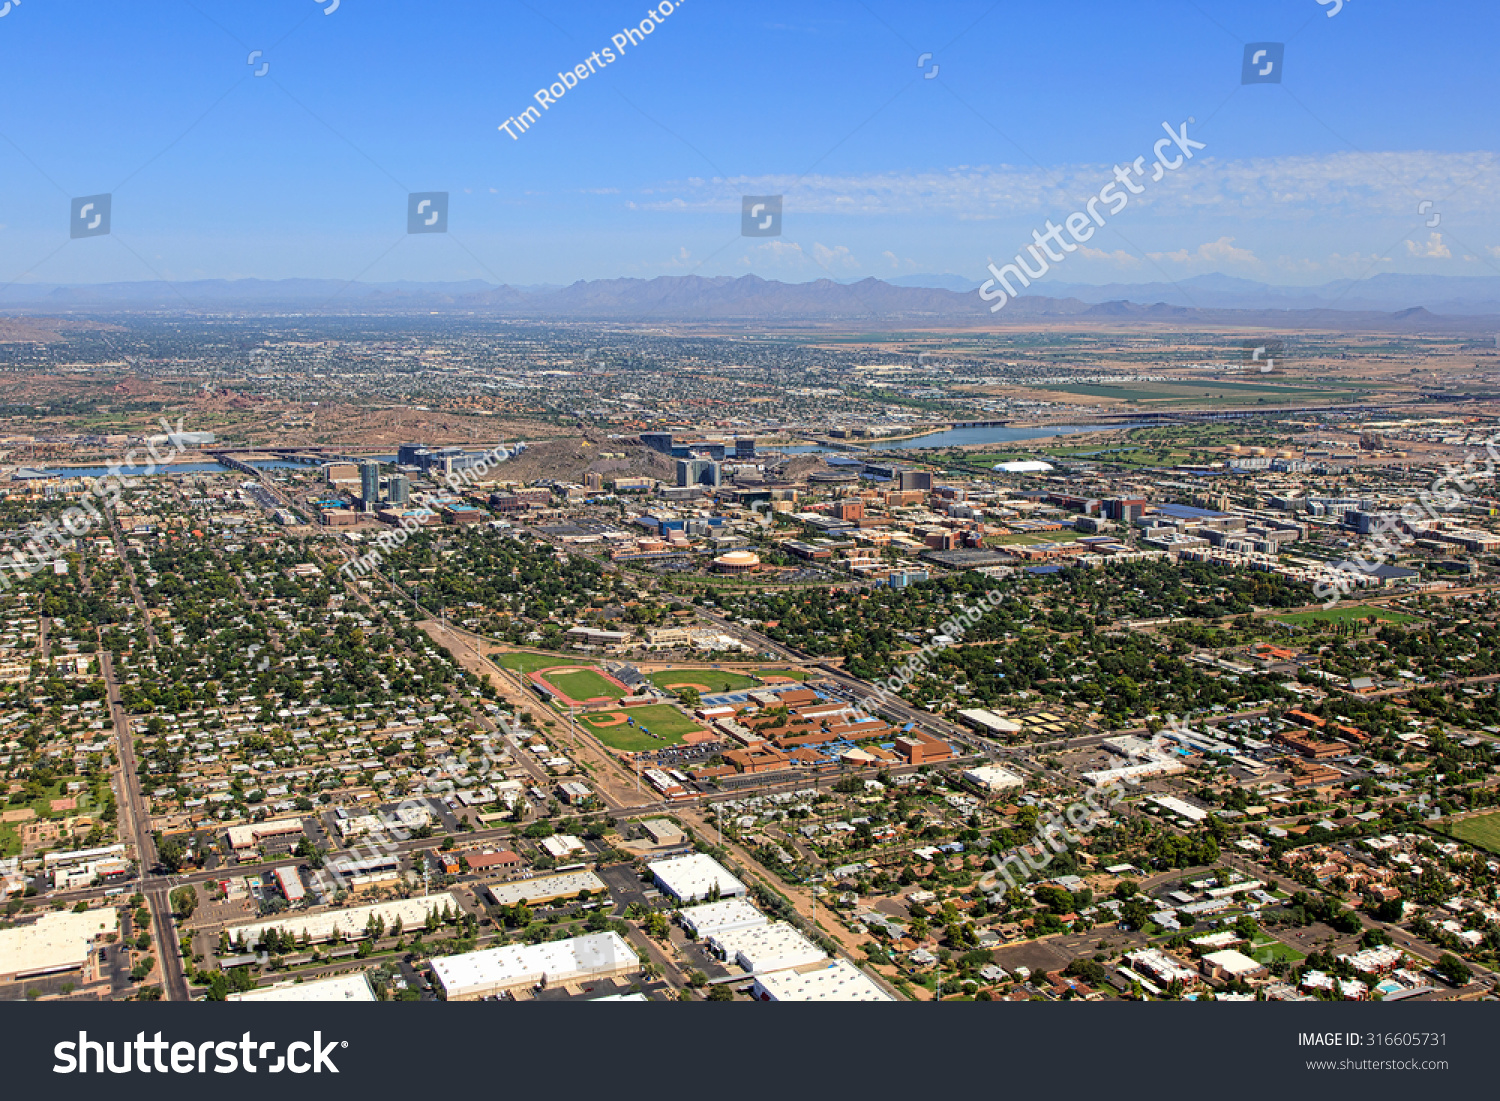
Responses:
[1264,953]
[705,680]
[789,674]
[10,832]
[583,684]
[1342,613]
[1166,394]
[666,722]
[530,663]
[1482,830]
[1029,538]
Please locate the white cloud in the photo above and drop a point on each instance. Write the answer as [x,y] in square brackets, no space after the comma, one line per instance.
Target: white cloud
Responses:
[837,257]
[1434,249]
[1355,264]
[1320,186]
[1119,258]
[1211,254]
[786,256]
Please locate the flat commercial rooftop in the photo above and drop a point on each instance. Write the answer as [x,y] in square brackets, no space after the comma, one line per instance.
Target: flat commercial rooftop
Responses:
[993,778]
[57,941]
[693,877]
[544,888]
[340,988]
[773,947]
[477,974]
[990,721]
[712,918]
[351,922]
[834,981]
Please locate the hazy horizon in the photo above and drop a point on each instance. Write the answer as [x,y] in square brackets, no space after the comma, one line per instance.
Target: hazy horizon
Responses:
[891,163]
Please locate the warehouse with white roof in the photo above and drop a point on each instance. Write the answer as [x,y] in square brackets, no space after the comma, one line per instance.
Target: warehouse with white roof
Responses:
[547,888]
[773,947]
[693,878]
[338,988]
[712,918]
[350,923]
[991,779]
[57,941]
[513,966]
[834,981]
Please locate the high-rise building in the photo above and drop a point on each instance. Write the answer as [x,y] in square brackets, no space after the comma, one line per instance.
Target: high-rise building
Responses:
[917,479]
[398,486]
[744,447]
[369,485]
[658,441]
[593,480]
[1124,509]
[697,472]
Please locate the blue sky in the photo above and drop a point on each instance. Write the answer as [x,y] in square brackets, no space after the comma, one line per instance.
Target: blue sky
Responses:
[638,171]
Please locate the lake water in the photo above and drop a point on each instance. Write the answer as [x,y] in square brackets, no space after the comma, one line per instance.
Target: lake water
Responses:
[175,468]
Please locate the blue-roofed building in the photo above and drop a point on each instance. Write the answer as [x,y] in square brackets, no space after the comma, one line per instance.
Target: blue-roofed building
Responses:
[1188,512]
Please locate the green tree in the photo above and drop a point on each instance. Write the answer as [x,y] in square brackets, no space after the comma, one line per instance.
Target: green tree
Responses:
[184,901]
[1453,969]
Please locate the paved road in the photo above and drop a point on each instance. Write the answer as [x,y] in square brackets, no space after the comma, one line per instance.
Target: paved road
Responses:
[136,824]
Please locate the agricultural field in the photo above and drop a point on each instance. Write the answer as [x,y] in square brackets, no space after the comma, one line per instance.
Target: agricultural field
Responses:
[706,681]
[666,724]
[1350,613]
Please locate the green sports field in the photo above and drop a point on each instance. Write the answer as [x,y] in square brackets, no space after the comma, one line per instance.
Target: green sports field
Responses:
[1482,830]
[1029,538]
[583,684]
[1346,613]
[529,663]
[666,722]
[705,680]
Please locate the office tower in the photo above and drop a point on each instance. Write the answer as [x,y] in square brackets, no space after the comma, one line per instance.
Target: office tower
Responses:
[369,485]
[917,479]
[697,472]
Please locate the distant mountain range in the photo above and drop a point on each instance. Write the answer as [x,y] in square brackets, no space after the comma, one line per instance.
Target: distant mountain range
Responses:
[1388,301]
[1442,294]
